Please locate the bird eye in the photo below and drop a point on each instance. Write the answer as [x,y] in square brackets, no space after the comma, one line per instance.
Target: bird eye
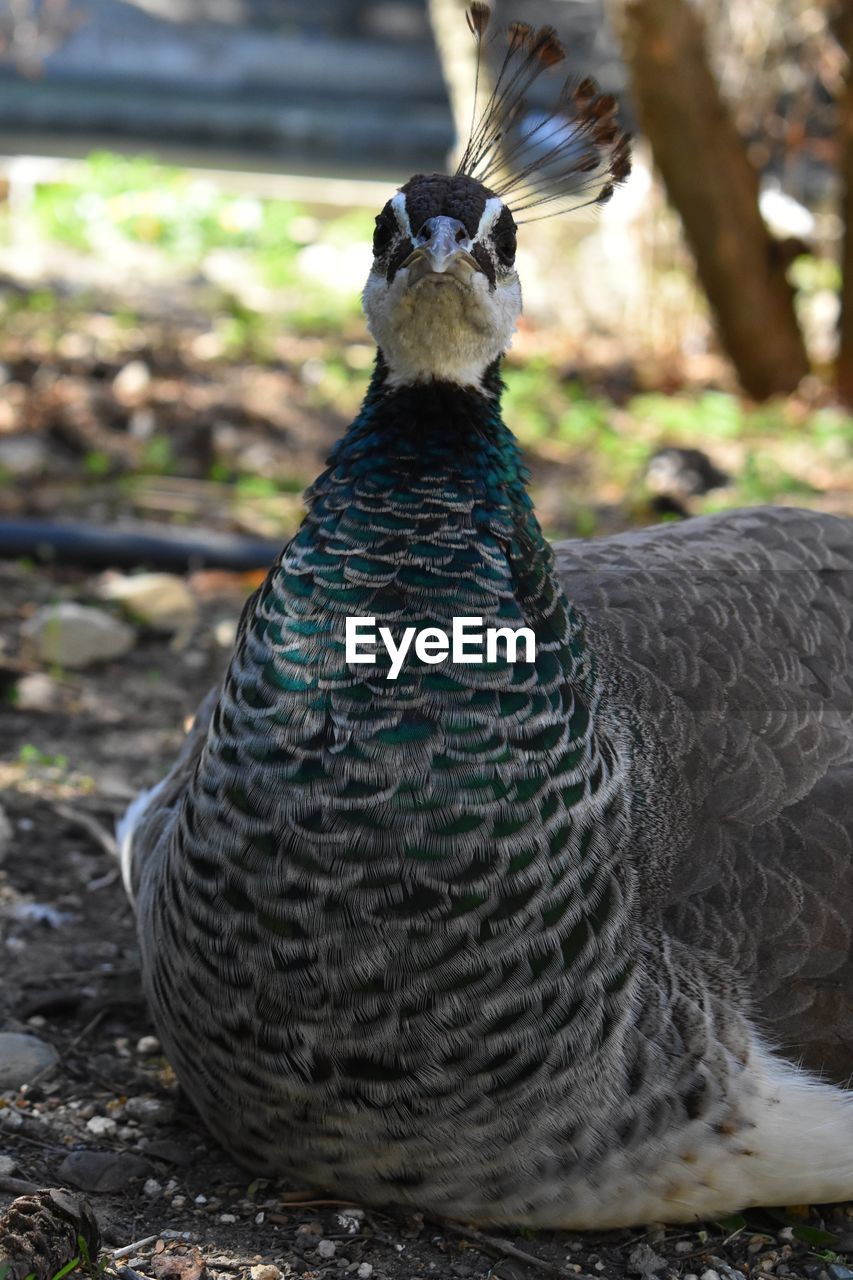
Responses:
[386,225]
[505,247]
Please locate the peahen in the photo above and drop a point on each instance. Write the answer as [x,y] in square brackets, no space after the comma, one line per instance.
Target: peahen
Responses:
[560,939]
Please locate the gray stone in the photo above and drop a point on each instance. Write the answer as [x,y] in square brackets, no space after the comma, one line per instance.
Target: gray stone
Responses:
[75,636]
[149,1111]
[102,1170]
[160,600]
[102,1126]
[643,1261]
[7,1166]
[148,1047]
[22,1057]
[23,456]
[37,691]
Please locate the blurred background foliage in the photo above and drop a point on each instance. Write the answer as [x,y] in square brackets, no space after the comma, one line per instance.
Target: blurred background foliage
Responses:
[181,331]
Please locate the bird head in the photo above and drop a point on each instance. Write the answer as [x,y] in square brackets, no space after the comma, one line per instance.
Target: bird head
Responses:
[443,298]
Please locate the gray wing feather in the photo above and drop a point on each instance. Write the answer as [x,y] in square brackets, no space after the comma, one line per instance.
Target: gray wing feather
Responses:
[727,644]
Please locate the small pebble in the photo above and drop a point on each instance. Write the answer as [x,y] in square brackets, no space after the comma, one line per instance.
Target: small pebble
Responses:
[102,1126]
[148,1047]
[151,1188]
[227,1217]
[22,1057]
[141,424]
[643,1261]
[76,636]
[710,1274]
[7,1166]
[162,601]
[131,383]
[37,691]
[326,1248]
[23,456]
[683,1246]
[148,1110]
[200,1200]
[178,1202]
[265,1271]
[259,1218]
[365,1271]
[225,633]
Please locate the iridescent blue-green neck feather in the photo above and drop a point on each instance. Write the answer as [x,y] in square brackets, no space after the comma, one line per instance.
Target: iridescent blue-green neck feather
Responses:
[434,427]
[424,514]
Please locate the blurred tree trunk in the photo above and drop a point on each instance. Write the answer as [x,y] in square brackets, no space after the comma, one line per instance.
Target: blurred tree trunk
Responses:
[713,186]
[844,371]
[457,53]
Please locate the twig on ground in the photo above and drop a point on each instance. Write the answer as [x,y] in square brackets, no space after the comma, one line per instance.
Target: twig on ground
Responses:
[503,1248]
[99,833]
[128,1250]
[17,1186]
[49,1070]
[128,1273]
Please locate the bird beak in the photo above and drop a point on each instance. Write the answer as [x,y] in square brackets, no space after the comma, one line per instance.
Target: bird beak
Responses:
[443,248]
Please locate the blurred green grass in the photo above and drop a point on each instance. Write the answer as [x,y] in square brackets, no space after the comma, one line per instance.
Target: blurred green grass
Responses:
[275,284]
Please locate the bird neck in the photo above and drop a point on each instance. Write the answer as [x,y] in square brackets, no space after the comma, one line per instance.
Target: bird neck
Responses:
[406,435]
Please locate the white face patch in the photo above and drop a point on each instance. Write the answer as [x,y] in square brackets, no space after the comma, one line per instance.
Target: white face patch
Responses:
[450,327]
[398,204]
[489,217]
